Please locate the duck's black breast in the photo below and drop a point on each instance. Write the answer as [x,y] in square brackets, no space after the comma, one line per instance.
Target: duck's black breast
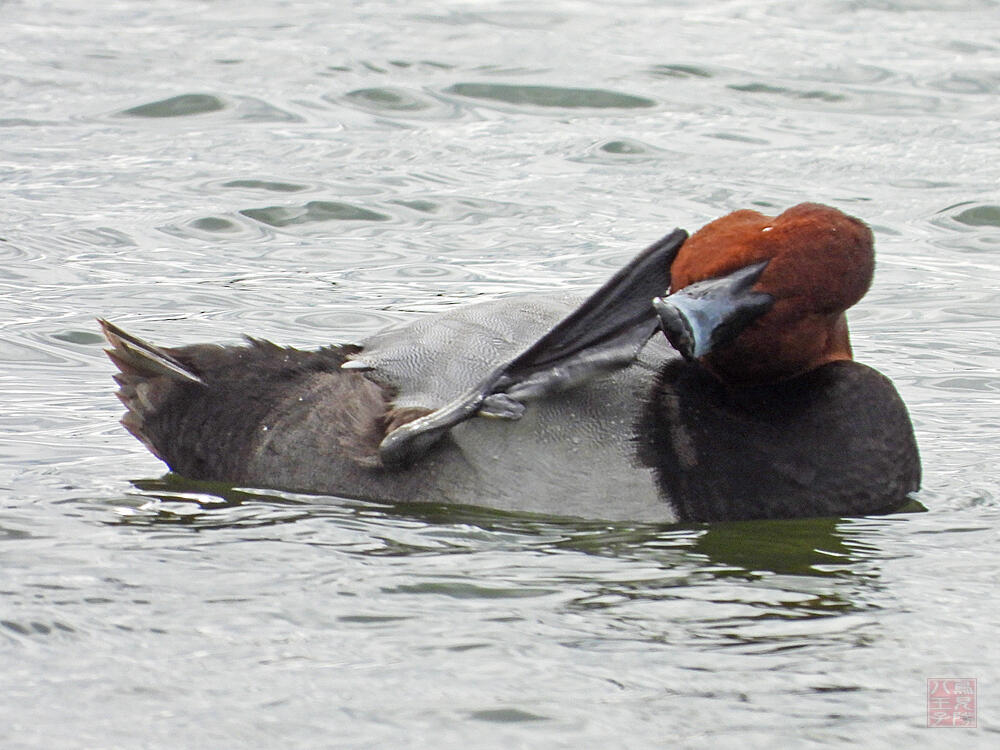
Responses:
[834,441]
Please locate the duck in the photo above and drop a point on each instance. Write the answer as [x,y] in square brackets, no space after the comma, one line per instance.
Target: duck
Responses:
[711,378]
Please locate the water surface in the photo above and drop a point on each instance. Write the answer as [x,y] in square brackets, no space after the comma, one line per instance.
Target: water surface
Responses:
[311,172]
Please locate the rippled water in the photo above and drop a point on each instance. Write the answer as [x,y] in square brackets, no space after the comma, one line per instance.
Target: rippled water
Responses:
[311,172]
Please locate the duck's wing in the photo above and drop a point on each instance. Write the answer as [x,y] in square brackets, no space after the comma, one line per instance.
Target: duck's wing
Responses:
[604,333]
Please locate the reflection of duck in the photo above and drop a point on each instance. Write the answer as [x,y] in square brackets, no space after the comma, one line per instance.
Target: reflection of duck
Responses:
[765,415]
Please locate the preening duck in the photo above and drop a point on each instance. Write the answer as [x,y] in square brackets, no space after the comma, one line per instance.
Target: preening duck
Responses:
[711,378]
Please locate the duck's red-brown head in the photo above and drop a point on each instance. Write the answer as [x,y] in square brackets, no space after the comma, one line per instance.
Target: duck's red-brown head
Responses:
[758,298]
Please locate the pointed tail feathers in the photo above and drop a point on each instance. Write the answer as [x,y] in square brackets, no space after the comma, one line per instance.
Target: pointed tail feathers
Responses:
[147,376]
[133,356]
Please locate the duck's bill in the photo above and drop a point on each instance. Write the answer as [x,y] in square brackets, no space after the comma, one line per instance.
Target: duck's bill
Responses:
[705,316]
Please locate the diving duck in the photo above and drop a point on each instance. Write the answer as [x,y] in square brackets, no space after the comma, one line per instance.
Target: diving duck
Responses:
[711,378]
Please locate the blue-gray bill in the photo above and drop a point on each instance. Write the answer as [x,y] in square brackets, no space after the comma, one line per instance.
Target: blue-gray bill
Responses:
[708,314]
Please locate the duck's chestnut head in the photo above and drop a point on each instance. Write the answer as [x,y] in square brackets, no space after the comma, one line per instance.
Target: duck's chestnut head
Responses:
[759,298]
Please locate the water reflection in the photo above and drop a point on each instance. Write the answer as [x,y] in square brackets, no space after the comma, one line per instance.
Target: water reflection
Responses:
[765,88]
[202,506]
[393,101]
[749,588]
[979,216]
[271,186]
[217,228]
[620,151]
[178,106]
[549,96]
[312,212]
[675,70]
[244,108]
[744,550]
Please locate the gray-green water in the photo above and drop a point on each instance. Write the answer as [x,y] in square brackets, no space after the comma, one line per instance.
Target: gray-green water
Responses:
[311,171]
